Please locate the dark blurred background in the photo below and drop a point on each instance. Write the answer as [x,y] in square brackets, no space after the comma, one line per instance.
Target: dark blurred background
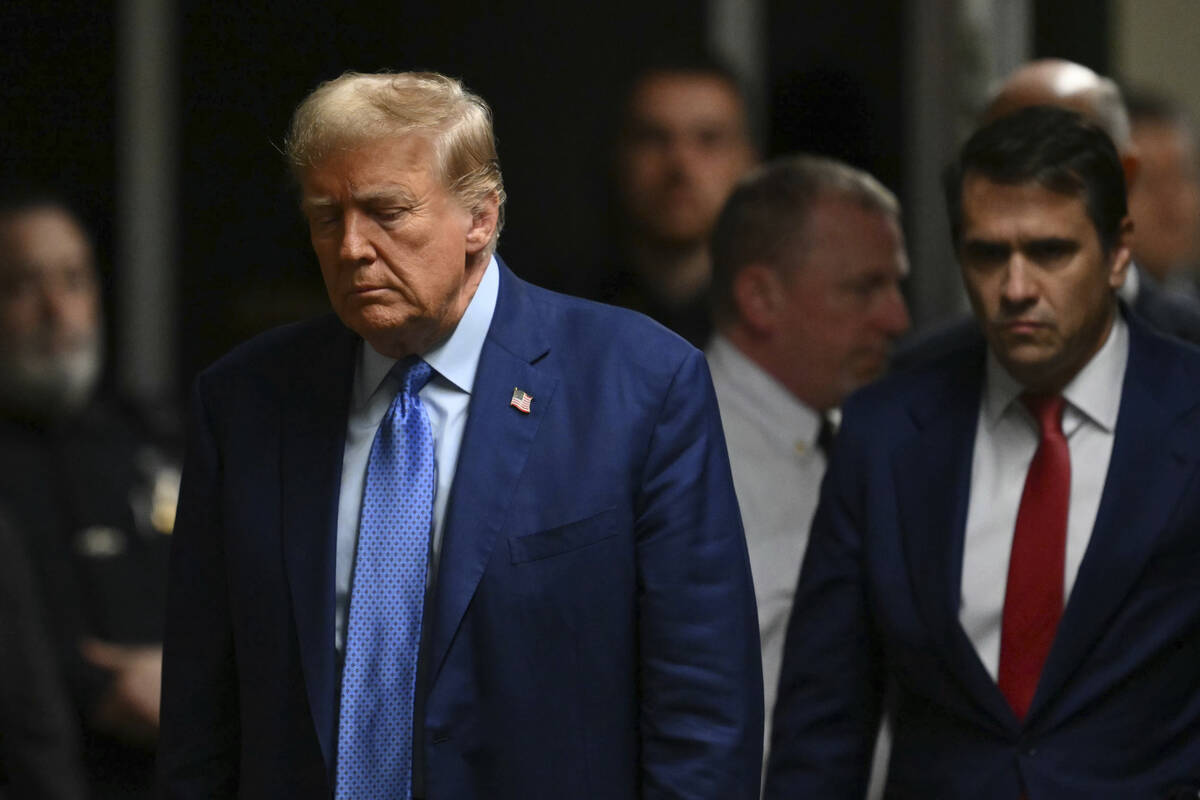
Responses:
[211,248]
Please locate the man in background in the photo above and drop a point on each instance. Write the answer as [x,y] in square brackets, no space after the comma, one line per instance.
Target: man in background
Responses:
[1165,200]
[808,256]
[1008,533]
[1065,84]
[684,140]
[86,485]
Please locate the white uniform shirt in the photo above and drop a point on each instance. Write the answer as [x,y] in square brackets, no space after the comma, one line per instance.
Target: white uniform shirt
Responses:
[777,472]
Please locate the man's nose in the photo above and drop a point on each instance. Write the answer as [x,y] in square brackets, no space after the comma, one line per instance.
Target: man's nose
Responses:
[356,239]
[680,155]
[893,317]
[1019,286]
[56,301]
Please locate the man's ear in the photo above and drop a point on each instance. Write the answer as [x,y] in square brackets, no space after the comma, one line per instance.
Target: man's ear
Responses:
[1121,255]
[1131,165]
[484,219]
[757,290]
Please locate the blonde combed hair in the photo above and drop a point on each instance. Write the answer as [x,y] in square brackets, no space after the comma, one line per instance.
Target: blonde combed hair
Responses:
[355,108]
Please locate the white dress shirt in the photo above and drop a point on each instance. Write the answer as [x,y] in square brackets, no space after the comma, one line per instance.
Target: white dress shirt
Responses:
[446,396]
[777,472]
[1132,285]
[1006,439]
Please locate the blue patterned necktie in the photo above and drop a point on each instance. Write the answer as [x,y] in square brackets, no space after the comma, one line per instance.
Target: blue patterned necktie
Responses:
[387,595]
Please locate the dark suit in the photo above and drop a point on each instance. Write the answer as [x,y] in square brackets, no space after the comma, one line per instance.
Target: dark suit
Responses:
[39,736]
[592,629]
[1117,710]
[80,491]
[1167,311]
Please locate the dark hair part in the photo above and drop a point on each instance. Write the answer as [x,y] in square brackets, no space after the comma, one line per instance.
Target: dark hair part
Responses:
[1058,149]
[766,216]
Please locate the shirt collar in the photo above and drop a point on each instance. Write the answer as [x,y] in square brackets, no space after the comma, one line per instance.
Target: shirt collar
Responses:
[1132,285]
[1094,392]
[456,358]
[751,386]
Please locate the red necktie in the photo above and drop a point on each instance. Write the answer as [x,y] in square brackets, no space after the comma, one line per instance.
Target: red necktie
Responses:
[1033,599]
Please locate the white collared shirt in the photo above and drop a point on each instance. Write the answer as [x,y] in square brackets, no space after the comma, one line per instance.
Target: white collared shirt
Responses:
[777,471]
[1006,439]
[455,362]
[1132,285]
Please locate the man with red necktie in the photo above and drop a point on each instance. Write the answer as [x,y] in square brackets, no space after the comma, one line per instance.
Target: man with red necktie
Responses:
[1010,534]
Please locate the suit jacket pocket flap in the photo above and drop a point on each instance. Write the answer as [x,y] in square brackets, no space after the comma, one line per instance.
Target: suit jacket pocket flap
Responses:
[562,538]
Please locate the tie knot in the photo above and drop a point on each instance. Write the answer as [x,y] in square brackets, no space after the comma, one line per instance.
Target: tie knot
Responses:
[1046,409]
[413,373]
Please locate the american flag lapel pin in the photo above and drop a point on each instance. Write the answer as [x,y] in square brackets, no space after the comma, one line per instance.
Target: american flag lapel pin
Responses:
[521,400]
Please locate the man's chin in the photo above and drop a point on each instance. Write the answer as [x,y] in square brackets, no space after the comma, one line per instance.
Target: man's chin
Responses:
[1032,366]
[49,387]
[678,231]
[867,366]
[392,334]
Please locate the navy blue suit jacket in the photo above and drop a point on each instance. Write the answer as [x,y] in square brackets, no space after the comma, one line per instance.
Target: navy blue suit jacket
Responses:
[1117,711]
[592,629]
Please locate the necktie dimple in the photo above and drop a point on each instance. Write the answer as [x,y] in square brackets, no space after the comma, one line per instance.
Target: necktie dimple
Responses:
[1033,598]
[386,600]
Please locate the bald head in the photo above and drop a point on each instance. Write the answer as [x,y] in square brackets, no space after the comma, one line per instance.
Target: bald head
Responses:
[1065,84]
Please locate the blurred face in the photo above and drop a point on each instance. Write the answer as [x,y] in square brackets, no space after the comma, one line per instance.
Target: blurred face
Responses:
[842,307]
[1164,201]
[401,256]
[1038,280]
[50,338]
[685,145]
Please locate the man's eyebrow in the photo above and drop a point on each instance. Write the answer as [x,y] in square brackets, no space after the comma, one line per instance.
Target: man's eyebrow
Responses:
[384,194]
[1051,241]
[316,201]
[982,244]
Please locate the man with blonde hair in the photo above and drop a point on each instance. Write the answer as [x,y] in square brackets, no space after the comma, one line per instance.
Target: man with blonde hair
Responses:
[468,539]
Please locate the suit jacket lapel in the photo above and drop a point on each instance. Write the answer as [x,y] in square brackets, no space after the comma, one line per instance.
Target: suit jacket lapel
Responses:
[313,420]
[1147,475]
[495,446]
[932,470]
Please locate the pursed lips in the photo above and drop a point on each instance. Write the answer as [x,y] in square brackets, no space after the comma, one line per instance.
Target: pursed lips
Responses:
[367,289]
[1022,326]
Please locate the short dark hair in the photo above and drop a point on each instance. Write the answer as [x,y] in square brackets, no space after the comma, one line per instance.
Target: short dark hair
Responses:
[767,215]
[688,63]
[18,196]
[1060,150]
